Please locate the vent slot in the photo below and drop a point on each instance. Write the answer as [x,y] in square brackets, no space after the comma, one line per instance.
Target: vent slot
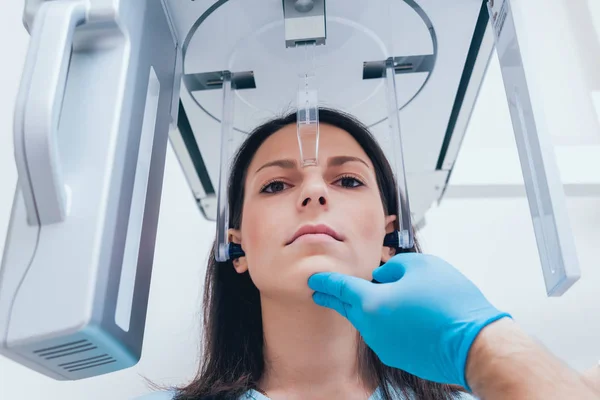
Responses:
[75,347]
[59,346]
[72,363]
[92,366]
[68,351]
[89,363]
[64,350]
[71,353]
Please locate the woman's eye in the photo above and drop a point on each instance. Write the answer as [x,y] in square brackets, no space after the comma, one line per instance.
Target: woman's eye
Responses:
[274,187]
[349,182]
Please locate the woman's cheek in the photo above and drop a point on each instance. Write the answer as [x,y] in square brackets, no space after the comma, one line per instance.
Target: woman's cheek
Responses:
[370,223]
[258,234]
[371,232]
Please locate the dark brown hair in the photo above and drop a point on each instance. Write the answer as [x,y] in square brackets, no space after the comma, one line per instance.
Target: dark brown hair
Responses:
[232,358]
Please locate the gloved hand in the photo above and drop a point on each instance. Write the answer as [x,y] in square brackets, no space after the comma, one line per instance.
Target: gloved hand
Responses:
[422,318]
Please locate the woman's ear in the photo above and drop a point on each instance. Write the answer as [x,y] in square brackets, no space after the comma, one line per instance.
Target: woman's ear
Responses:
[240,264]
[388,252]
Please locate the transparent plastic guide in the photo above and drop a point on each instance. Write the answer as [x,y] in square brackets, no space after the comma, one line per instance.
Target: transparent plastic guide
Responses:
[308,122]
[405,233]
[222,245]
[308,109]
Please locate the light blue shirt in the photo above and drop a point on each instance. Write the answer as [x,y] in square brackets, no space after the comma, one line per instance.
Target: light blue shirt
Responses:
[254,395]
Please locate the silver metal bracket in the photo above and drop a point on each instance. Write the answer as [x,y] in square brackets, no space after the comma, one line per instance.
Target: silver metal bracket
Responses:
[402,65]
[214,80]
[305,22]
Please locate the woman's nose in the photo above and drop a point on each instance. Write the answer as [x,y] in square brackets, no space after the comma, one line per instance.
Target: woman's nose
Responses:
[314,193]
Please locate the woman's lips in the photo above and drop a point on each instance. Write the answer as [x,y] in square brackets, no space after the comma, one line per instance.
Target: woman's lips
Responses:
[318,232]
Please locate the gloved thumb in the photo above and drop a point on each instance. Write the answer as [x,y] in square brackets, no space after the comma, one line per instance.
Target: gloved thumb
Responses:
[346,288]
[391,271]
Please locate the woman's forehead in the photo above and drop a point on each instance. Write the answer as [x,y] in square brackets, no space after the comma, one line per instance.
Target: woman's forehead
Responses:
[333,141]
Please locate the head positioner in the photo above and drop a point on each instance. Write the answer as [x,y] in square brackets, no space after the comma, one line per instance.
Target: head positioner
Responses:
[302,34]
[308,142]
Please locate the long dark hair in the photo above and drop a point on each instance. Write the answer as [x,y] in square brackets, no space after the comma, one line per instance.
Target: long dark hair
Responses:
[232,358]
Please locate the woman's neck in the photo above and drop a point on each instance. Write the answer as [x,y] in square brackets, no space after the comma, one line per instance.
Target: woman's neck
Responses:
[310,352]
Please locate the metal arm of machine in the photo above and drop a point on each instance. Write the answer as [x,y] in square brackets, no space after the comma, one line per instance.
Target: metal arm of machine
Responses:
[532,118]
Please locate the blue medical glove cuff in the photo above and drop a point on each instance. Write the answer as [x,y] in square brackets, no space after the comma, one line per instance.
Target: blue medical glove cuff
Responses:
[469,333]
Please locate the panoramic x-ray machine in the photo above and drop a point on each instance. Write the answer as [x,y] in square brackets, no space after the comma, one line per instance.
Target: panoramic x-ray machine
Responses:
[108,83]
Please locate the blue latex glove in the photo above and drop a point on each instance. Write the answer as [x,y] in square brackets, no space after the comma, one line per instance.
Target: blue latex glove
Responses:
[422,318]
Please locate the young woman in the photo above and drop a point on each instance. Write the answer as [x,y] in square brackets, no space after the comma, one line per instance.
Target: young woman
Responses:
[264,337]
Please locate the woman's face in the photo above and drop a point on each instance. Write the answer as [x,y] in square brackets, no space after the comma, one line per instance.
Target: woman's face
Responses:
[337,205]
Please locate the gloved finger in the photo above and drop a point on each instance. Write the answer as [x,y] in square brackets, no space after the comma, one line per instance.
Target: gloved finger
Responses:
[325,300]
[393,270]
[348,289]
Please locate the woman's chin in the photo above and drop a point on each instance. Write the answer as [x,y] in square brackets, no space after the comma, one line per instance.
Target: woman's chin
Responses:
[308,266]
[321,263]
[291,281]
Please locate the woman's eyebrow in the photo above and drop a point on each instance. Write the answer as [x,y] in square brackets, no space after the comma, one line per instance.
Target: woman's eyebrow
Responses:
[287,164]
[331,162]
[340,160]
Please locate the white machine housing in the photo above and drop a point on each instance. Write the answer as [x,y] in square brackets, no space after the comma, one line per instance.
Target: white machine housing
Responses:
[91,128]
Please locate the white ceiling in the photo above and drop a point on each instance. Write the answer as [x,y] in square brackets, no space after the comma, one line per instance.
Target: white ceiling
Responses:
[488,164]
[491,127]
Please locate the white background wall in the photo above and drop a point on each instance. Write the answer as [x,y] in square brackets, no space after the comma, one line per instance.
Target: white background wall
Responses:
[489,238]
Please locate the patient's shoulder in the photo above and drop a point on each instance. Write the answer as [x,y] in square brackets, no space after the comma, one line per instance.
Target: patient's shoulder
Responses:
[168,395]
[399,395]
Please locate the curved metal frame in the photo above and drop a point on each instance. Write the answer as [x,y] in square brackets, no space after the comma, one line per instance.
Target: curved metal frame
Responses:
[412,3]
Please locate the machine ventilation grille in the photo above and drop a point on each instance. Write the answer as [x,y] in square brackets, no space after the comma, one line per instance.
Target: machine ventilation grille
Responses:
[84,349]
